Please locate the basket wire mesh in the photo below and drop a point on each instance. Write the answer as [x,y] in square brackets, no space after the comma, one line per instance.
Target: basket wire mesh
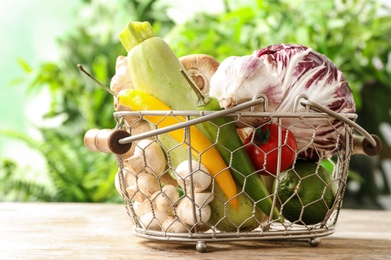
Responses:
[266,228]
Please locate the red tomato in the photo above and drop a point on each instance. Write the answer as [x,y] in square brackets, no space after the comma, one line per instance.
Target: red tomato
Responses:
[262,147]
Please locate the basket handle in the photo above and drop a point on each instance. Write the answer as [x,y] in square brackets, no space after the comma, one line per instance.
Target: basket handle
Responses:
[106,141]
[203,118]
[368,144]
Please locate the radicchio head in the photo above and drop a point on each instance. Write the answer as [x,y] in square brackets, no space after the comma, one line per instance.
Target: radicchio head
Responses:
[282,73]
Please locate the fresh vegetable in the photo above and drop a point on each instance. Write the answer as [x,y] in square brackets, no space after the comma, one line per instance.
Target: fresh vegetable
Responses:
[202,199]
[200,203]
[226,219]
[172,224]
[282,73]
[239,79]
[147,166]
[154,68]
[148,215]
[166,198]
[266,149]
[134,194]
[144,172]
[200,68]
[156,212]
[143,207]
[138,186]
[147,184]
[202,147]
[306,193]
[148,156]
[129,179]
[197,179]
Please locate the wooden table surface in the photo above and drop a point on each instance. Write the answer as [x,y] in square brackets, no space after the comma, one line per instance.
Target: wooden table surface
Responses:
[103,231]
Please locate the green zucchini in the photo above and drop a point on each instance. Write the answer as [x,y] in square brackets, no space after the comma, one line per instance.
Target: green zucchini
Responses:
[155,69]
[224,218]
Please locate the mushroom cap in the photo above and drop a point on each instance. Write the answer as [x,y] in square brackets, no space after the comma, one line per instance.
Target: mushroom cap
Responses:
[200,68]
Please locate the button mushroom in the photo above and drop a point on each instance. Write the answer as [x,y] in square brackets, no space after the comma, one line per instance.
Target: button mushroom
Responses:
[129,179]
[201,68]
[149,157]
[147,184]
[196,177]
[166,198]
[172,224]
[186,206]
[148,215]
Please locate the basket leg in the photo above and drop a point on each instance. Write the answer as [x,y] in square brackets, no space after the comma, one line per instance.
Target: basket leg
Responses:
[201,246]
[314,242]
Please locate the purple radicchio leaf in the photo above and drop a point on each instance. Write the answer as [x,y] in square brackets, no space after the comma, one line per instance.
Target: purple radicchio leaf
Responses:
[304,71]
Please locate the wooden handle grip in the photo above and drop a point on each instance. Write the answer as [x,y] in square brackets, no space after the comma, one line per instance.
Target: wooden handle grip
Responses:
[362,146]
[106,141]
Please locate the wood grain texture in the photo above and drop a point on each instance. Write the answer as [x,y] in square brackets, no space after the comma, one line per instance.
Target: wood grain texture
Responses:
[104,231]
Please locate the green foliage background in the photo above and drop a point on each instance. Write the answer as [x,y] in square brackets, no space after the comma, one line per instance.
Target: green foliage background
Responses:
[350,33]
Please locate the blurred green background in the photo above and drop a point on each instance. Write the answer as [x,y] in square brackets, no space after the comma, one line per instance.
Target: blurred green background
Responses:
[47,105]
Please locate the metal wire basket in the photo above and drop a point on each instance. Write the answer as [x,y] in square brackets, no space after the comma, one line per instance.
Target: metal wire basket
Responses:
[263,227]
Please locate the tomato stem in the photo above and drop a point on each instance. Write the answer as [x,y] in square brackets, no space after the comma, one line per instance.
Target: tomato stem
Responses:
[262,135]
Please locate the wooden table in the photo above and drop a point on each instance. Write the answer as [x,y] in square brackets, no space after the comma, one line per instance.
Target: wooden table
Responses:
[103,231]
